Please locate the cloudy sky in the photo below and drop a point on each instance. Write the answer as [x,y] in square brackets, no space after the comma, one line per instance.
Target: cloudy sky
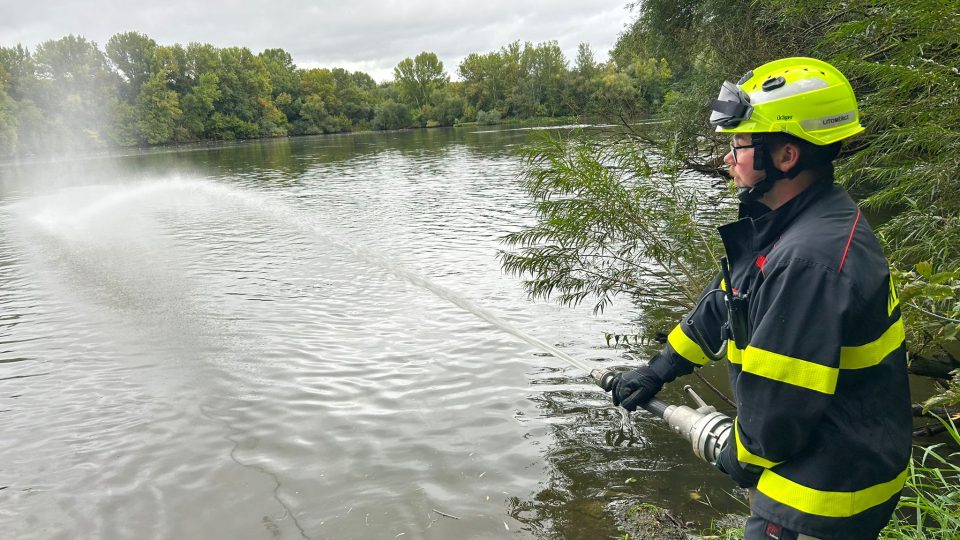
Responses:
[367,35]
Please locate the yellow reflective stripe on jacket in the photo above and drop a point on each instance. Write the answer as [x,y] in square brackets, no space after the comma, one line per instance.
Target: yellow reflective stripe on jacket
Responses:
[686,347]
[734,355]
[827,503]
[787,369]
[746,456]
[893,300]
[871,354]
[858,357]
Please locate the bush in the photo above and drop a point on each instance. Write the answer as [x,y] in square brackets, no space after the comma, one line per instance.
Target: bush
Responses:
[392,115]
[488,117]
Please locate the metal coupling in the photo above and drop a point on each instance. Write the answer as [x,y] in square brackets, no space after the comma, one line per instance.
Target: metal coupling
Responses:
[603,378]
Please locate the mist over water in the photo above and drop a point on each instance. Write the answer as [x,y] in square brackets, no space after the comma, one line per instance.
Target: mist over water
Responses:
[299,339]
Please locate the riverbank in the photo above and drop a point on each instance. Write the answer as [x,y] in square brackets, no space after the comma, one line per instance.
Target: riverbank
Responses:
[176,146]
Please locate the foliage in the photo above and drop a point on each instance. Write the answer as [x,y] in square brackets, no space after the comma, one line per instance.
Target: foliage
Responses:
[486,118]
[632,91]
[199,105]
[609,221]
[418,78]
[71,78]
[929,509]
[157,110]
[930,301]
[8,120]
[133,55]
[903,60]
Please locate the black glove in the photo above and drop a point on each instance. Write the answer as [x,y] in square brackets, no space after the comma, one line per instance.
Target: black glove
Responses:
[728,463]
[633,388]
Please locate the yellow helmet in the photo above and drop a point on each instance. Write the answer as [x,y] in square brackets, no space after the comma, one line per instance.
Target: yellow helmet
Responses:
[805,97]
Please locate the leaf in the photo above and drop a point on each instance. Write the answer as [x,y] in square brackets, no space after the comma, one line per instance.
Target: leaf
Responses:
[943,277]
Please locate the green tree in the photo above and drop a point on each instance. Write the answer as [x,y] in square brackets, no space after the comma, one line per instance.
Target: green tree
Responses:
[8,117]
[417,78]
[228,127]
[903,62]
[244,92]
[196,60]
[132,54]
[355,95]
[21,72]
[392,115]
[610,224]
[158,110]
[199,104]
[75,90]
[584,78]
[449,105]
[125,130]
[482,82]
[34,127]
[283,73]
[284,81]
[513,76]
[321,110]
[545,74]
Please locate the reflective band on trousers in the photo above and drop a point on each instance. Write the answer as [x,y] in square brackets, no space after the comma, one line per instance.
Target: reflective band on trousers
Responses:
[827,503]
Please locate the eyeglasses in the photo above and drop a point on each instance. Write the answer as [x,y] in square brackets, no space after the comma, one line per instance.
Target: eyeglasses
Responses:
[734,147]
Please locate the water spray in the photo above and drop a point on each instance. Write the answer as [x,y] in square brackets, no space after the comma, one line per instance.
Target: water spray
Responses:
[705,428]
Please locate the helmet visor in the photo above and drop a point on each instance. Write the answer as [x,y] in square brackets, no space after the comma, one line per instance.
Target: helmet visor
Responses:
[731,107]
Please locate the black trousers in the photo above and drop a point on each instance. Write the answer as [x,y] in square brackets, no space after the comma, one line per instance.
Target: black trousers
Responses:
[760,529]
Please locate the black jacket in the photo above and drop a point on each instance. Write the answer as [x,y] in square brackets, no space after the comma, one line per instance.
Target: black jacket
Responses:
[821,388]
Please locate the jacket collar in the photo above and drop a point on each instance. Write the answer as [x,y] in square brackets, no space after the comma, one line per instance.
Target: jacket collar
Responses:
[758,226]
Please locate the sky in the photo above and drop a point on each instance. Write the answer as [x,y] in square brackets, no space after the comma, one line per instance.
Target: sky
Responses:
[358,35]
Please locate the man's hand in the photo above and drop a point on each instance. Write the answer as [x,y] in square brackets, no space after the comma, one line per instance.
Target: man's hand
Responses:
[634,388]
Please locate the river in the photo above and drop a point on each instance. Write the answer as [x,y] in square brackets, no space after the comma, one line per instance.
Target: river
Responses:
[225,342]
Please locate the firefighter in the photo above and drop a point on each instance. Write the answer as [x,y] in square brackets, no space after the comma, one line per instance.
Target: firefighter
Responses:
[817,359]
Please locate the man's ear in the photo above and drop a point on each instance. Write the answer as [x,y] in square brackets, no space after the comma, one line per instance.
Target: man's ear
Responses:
[786,157]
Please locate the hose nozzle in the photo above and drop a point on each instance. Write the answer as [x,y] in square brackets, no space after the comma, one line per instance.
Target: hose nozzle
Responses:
[603,378]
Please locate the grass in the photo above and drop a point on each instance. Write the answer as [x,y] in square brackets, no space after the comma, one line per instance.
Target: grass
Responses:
[930,506]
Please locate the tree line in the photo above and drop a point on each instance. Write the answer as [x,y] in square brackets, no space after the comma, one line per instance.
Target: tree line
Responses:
[68,93]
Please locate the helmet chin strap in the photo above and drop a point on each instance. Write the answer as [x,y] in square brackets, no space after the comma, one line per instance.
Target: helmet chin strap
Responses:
[762,161]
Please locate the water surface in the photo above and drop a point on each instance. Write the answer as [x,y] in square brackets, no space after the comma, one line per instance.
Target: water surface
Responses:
[223,342]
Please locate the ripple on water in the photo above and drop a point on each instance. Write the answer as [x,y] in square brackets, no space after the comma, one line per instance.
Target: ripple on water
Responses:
[242,356]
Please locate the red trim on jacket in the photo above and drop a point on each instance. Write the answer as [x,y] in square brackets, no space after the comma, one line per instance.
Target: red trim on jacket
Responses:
[849,240]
